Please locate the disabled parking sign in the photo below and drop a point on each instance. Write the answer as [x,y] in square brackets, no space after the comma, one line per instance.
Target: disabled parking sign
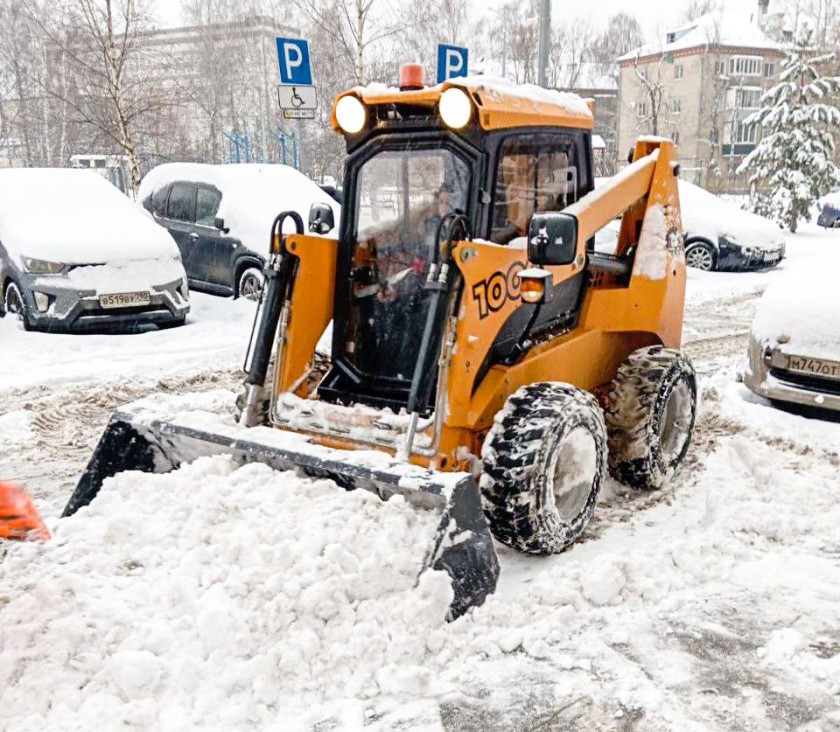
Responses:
[452,62]
[293,56]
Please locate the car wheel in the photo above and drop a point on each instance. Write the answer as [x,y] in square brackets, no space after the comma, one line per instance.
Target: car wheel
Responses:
[15,305]
[250,283]
[700,255]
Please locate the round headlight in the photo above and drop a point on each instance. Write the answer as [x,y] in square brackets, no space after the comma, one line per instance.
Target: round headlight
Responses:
[351,114]
[455,108]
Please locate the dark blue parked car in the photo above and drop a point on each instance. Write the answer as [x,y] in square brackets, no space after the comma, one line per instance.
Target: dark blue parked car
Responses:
[829,216]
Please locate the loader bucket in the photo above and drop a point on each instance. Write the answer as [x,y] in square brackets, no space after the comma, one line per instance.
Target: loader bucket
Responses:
[19,519]
[144,440]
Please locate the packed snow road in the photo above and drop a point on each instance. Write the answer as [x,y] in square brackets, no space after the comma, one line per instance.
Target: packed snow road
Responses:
[224,598]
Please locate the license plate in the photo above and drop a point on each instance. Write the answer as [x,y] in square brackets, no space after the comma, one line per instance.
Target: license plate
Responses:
[814,367]
[125,300]
[772,257]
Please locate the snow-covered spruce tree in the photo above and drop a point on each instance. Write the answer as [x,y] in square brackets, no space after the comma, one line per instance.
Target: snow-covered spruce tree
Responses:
[791,167]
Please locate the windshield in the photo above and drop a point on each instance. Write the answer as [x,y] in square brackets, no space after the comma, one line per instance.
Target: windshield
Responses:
[402,197]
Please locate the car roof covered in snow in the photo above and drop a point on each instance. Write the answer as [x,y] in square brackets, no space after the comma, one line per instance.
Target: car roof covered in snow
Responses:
[501,104]
[252,194]
[76,217]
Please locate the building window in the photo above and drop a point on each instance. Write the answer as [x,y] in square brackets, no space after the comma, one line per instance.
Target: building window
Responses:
[678,71]
[676,105]
[747,97]
[769,71]
[745,66]
[642,108]
[720,68]
[676,137]
[745,133]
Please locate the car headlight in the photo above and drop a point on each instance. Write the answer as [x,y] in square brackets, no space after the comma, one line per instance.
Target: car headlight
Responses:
[42,266]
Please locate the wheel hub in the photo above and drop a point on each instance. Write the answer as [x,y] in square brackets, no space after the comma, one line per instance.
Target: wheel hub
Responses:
[575,470]
[700,258]
[675,425]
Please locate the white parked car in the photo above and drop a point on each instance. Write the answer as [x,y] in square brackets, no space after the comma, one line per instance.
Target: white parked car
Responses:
[718,234]
[77,255]
[721,236]
[794,351]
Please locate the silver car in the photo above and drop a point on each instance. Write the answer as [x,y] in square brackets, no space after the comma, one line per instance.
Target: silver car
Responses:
[77,255]
[794,350]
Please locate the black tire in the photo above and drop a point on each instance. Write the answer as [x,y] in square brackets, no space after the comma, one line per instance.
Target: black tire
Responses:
[15,305]
[701,255]
[172,323]
[650,413]
[539,427]
[249,282]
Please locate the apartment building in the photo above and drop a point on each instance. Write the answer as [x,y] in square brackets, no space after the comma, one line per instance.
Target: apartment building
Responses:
[698,85]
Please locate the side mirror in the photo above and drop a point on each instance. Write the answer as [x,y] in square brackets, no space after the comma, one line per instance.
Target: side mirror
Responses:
[219,223]
[552,238]
[321,219]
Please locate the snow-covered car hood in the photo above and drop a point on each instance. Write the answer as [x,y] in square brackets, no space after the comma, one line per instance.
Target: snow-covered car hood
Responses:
[704,214]
[252,195]
[75,217]
[801,317]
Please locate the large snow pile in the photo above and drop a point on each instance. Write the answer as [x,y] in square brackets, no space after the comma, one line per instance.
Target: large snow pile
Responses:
[75,217]
[252,195]
[173,592]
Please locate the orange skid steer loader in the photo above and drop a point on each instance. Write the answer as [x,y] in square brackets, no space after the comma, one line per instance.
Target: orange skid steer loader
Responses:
[487,362]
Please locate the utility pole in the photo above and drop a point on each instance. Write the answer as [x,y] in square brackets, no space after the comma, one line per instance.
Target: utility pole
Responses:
[545,37]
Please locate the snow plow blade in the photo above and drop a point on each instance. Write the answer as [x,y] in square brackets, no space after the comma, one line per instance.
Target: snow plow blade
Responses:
[462,544]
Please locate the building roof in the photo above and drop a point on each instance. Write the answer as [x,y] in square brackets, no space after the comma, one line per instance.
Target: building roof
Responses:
[727,26]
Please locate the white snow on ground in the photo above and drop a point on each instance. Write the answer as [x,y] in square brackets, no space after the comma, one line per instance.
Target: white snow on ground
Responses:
[216,333]
[711,605]
[175,591]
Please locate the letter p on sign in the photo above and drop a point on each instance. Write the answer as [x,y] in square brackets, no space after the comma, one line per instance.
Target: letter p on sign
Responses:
[452,62]
[293,56]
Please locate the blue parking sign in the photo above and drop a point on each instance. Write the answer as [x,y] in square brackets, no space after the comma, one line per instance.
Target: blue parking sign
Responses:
[293,55]
[452,62]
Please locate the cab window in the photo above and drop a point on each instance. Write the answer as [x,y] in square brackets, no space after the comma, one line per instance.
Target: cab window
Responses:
[534,173]
[181,203]
[206,206]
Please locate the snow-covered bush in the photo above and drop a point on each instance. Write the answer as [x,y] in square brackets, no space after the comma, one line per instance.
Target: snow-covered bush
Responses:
[792,165]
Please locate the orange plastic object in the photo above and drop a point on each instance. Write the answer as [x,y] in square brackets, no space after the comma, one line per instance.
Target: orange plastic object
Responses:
[411,77]
[19,519]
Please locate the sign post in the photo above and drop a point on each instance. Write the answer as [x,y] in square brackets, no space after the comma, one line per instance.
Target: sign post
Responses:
[296,94]
[452,62]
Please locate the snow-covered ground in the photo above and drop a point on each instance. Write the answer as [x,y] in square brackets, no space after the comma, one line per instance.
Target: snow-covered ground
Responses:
[216,598]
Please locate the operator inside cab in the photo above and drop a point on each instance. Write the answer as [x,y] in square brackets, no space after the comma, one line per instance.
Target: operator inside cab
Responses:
[404,198]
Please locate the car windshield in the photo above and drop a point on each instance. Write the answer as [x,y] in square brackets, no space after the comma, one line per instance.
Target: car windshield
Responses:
[402,196]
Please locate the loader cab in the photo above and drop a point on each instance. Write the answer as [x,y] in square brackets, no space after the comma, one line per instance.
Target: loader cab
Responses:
[406,170]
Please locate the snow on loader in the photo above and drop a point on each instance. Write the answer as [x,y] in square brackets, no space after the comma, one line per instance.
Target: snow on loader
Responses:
[471,316]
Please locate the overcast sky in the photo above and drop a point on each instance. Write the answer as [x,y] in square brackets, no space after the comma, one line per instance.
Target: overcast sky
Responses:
[650,14]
